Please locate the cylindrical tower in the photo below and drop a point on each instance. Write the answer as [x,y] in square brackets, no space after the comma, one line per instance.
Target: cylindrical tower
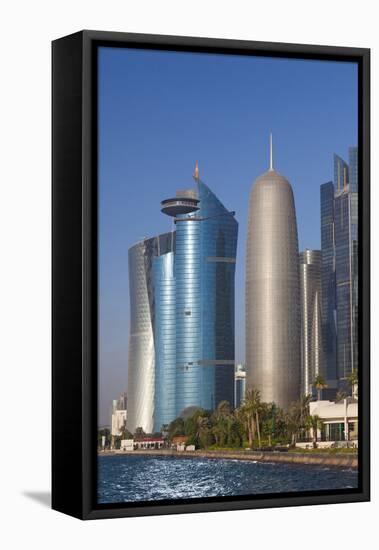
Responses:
[310,314]
[272,291]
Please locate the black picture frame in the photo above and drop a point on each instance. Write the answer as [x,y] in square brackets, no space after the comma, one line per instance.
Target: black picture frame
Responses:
[74,272]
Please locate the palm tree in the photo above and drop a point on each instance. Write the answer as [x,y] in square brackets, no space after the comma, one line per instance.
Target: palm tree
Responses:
[353,381]
[203,425]
[320,384]
[315,423]
[223,409]
[297,417]
[223,419]
[292,420]
[252,407]
[303,405]
[340,396]
[243,417]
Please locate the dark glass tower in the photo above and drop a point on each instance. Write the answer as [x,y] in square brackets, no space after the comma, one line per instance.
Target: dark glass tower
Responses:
[199,305]
[346,228]
[339,243]
[328,284]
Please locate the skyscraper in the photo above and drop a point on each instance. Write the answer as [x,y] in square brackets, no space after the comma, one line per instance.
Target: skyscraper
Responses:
[165,339]
[141,359]
[328,285]
[346,239]
[339,245]
[272,291]
[310,314]
[199,284]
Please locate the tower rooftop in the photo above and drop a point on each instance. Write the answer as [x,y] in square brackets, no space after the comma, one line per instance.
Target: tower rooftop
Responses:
[179,205]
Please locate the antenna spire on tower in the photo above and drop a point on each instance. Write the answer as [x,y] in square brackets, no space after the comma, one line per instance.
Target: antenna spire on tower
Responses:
[196,173]
[271,157]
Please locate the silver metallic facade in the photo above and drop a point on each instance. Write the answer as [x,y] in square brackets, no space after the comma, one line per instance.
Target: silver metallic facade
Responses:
[310,313]
[141,360]
[272,292]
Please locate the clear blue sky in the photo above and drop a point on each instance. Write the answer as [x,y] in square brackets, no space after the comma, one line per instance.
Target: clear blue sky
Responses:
[159,112]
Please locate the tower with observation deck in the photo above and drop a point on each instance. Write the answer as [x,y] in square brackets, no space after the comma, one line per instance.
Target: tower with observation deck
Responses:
[194,306]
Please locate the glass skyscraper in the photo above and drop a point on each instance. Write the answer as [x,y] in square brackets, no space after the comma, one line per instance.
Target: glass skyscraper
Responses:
[310,309]
[346,230]
[141,359]
[339,243]
[353,169]
[328,284]
[165,339]
[197,306]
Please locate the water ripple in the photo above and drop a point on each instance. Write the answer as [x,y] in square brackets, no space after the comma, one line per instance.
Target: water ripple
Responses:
[146,478]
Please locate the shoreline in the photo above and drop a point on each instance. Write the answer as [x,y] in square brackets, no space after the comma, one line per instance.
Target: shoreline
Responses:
[340,461]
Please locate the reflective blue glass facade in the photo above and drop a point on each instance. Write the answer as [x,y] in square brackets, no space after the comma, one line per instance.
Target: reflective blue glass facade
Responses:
[346,281]
[164,340]
[218,247]
[141,357]
[192,383]
[339,243]
[328,282]
[341,173]
[195,308]
[353,169]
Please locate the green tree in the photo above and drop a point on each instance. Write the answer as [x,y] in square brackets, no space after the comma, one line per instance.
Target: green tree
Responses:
[221,423]
[353,381]
[176,427]
[297,418]
[269,420]
[204,433]
[320,384]
[340,396]
[314,422]
[250,410]
[125,433]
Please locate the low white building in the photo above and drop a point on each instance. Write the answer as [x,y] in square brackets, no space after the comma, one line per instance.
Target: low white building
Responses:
[127,445]
[340,420]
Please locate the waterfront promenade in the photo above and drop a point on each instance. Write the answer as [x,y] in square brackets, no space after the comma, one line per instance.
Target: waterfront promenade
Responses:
[315,459]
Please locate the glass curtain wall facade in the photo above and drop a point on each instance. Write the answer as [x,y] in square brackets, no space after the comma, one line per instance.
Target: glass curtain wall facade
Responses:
[328,284]
[341,173]
[165,340]
[204,270]
[218,260]
[339,243]
[346,243]
[353,169]
[310,308]
[141,357]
